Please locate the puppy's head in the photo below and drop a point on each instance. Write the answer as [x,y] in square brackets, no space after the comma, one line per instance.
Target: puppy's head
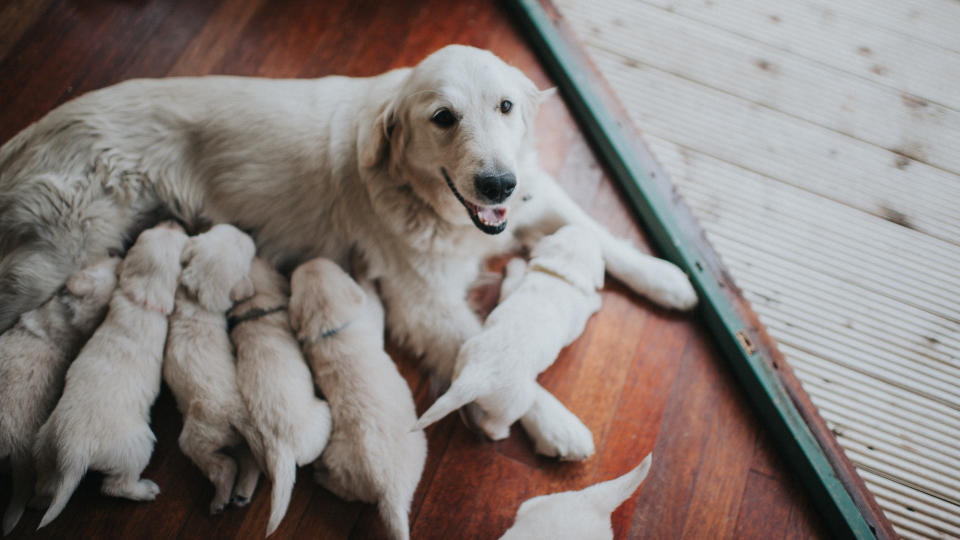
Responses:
[323,298]
[91,289]
[459,130]
[572,253]
[148,273]
[216,267]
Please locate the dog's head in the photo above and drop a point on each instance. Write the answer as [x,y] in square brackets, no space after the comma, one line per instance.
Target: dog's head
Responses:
[216,267]
[572,253]
[323,298]
[458,130]
[148,273]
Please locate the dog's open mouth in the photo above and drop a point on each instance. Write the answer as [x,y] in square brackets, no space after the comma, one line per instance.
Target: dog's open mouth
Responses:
[489,219]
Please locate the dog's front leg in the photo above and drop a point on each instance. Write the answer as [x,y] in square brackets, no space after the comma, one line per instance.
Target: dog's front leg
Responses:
[433,322]
[661,281]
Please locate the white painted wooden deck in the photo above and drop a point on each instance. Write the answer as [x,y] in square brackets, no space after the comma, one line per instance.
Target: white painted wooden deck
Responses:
[818,143]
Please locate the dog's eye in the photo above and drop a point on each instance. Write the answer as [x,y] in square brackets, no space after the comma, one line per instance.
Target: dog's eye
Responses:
[505,106]
[443,118]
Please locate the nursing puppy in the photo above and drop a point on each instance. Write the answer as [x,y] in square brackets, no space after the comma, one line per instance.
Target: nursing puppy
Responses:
[276,385]
[576,515]
[102,421]
[34,356]
[544,307]
[426,170]
[199,366]
[372,455]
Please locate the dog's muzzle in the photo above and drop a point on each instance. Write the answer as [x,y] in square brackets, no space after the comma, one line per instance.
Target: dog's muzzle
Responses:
[489,219]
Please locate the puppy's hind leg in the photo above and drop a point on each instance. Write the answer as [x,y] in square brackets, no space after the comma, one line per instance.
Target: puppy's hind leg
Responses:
[130,486]
[247,476]
[131,457]
[201,443]
[556,432]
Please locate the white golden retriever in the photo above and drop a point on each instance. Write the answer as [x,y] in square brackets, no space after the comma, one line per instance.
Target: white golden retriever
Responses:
[544,306]
[575,515]
[34,356]
[373,456]
[427,170]
[277,386]
[102,421]
[199,366]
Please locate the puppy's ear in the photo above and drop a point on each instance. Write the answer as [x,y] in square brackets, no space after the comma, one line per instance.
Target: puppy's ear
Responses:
[374,138]
[242,290]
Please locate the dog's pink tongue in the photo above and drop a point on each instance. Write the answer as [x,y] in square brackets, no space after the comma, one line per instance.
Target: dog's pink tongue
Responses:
[492,214]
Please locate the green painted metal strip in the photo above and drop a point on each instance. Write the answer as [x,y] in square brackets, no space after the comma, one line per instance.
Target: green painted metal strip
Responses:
[762,385]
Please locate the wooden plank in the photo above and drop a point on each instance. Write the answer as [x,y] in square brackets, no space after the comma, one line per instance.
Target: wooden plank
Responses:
[826,35]
[641,34]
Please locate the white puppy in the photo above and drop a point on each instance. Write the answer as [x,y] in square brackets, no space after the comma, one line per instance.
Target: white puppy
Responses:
[276,385]
[576,515]
[34,356]
[539,314]
[372,456]
[199,366]
[102,421]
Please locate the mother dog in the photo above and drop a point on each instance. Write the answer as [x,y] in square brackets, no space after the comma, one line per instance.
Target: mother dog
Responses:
[426,170]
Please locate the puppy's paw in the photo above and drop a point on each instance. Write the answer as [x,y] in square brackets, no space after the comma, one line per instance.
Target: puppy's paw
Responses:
[670,287]
[146,490]
[555,431]
[570,445]
[240,500]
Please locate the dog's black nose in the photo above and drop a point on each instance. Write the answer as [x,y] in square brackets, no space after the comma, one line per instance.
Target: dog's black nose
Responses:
[495,187]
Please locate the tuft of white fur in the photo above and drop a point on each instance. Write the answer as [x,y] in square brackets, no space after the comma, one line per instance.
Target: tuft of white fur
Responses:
[539,314]
[277,387]
[199,365]
[372,456]
[575,515]
[34,356]
[107,428]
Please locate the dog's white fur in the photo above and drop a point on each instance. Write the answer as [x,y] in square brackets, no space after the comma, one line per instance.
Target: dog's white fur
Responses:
[199,366]
[34,356]
[539,314]
[102,421]
[277,386]
[576,515]
[373,456]
[314,168]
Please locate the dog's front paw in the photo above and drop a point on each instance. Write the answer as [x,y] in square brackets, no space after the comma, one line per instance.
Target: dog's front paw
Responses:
[575,444]
[670,287]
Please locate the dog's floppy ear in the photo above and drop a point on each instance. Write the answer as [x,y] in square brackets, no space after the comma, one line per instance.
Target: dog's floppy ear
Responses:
[373,138]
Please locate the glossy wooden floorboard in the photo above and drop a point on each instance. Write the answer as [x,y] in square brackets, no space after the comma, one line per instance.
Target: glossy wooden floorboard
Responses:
[643,379]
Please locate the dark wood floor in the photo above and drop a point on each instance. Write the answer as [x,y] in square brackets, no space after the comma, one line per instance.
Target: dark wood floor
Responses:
[641,378]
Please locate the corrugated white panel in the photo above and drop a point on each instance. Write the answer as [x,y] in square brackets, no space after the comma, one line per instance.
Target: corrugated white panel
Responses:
[776,121]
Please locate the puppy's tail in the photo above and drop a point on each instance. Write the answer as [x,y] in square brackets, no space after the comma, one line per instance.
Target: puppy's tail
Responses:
[282,467]
[70,472]
[394,515]
[464,389]
[611,494]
